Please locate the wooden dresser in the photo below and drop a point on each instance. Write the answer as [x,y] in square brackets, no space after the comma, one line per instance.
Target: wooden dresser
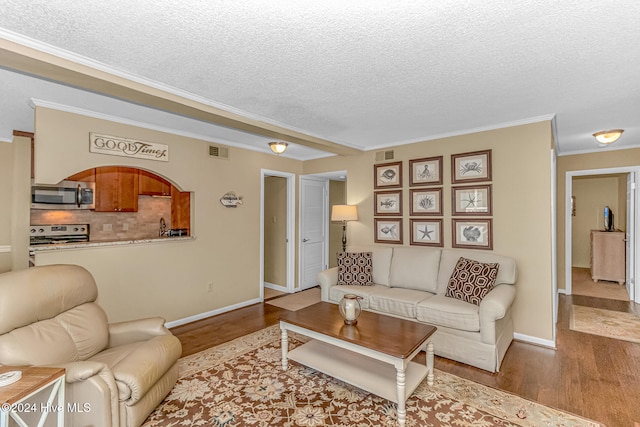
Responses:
[608,256]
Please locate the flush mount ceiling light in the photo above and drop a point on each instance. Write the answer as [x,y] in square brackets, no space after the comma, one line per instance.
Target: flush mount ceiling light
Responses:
[278,147]
[607,137]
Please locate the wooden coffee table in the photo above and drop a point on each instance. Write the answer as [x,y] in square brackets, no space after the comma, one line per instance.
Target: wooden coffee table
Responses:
[374,355]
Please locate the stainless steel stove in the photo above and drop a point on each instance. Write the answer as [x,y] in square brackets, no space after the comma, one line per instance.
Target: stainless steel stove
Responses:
[58,234]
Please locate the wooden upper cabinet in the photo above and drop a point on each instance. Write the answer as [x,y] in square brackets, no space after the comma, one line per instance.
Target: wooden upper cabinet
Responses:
[86,176]
[116,189]
[152,185]
[180,209]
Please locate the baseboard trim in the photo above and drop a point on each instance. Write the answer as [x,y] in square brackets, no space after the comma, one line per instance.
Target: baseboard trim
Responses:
[535,340]
[562,291]
[276,287]
[5,248]
[201,316]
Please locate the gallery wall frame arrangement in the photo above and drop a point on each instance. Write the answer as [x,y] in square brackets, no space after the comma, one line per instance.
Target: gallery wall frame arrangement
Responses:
[471,200]
[470,167]
[425,171]
[387,175]
[425,201]
[426,232]
[388,230]
[472,233]
[387,202]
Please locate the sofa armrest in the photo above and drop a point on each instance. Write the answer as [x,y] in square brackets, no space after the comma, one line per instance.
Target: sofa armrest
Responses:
[327,279]
[494,306]
[131,331]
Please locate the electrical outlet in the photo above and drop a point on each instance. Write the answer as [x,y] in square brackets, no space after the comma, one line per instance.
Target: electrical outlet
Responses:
[125,226]
[210,287]
[107,227]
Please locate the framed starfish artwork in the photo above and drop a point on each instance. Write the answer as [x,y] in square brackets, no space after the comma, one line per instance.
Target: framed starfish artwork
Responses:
[426,232]
[472,200]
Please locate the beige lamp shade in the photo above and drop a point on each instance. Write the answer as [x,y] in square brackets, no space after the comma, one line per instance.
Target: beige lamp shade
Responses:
[344,213]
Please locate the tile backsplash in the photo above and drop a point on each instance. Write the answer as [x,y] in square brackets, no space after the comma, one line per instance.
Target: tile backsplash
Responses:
[144,224]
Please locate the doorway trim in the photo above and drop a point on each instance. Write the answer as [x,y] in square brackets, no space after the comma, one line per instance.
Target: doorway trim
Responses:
[634,294]
[291,221]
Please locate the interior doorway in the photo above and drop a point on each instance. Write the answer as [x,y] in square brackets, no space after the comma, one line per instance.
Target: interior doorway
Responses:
[588,192]
[320,239]
[277,231]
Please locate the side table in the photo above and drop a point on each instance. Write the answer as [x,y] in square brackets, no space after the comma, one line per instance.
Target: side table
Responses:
[13,397]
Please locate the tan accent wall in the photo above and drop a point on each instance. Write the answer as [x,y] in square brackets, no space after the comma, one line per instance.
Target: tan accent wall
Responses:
[578,162]
[521,206]
[167,279]
[592,194]
[275,230]
[337,196]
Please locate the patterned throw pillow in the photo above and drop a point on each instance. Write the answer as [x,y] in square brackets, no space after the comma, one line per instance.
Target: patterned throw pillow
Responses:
[354,268]
[471,280]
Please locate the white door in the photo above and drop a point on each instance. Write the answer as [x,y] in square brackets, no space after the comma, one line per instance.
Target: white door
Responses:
[313,230]
[630,234]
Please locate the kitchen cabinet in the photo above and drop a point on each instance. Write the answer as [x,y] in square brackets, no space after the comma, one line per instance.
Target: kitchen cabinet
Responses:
[116,189]
[180,209]
[152,185]
[88,175]
[608,256]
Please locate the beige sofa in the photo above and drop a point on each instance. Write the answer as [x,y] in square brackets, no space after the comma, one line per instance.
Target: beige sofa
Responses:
[411,282]
[119,371]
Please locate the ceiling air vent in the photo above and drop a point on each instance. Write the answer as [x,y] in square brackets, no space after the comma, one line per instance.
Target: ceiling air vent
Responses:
[385,155]
[218,152]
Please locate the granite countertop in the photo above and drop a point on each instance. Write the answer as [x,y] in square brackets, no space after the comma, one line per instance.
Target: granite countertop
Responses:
[85,245]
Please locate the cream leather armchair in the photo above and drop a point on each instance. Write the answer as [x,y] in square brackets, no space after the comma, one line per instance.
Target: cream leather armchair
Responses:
[118,373]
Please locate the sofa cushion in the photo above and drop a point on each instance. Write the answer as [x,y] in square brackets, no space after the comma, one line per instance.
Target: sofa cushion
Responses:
[398,301]
[506,272]
[440,310]
[337,292]
[381,258]
[415,268]
[354,268]
[472,280]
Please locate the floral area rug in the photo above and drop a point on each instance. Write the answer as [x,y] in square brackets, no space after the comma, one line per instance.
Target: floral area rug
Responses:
[606,323]
[241,383]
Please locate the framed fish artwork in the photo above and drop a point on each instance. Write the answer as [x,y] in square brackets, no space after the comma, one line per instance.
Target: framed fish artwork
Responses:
[387,175]
[426,201]
[427,171]
[388,230]
[388,202]
[472,233]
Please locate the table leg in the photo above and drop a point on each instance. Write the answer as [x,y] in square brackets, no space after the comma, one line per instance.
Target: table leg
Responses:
[430,363]
[285,347]
[400,382]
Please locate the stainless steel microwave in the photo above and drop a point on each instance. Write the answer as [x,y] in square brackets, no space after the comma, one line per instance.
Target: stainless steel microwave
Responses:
[63,195]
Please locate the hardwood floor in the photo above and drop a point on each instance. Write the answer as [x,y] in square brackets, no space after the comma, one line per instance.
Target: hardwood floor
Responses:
[592,376]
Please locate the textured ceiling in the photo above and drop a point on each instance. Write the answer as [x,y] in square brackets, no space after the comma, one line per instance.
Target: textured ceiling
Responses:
[364,73]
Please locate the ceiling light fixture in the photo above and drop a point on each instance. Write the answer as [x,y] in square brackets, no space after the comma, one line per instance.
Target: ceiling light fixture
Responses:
[278,147]
[607,137]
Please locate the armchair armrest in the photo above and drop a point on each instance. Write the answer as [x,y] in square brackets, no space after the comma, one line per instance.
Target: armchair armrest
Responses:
[130,331]
[327,279]
[80,371]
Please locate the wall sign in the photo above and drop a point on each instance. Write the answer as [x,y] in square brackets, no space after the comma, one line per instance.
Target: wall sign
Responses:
[116,146]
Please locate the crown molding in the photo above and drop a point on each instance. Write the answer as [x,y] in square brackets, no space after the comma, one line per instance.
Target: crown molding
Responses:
[537,119]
